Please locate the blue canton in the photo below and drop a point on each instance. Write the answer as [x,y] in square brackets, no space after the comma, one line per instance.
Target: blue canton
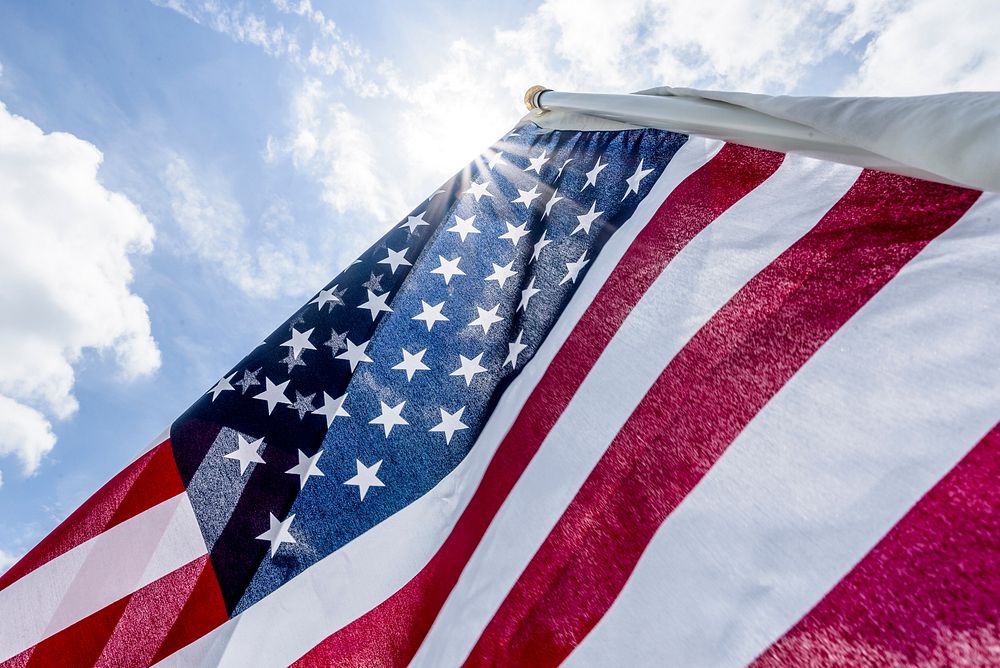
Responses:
[378,387]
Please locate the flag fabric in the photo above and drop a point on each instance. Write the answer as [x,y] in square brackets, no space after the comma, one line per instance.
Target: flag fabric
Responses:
[607,397]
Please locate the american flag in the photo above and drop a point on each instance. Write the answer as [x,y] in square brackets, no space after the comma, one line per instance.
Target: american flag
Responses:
[605,397]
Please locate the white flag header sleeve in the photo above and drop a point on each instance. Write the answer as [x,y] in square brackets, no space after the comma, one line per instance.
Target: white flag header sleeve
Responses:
[950,138]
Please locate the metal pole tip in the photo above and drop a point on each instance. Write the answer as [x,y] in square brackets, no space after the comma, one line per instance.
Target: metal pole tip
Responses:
[531,97]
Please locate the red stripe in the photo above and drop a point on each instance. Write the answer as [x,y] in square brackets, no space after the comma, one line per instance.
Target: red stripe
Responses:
[702,400]
[140,628]
[203,611]
[149,616]
[151,479]
[927,594]
[79,644]
[76,645]
[392,632]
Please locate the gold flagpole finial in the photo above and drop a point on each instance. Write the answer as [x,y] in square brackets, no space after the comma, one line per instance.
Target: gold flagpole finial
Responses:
[531,97]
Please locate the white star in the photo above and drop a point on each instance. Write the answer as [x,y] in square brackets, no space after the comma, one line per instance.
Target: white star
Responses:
[536,163]
[412,363]
[486,319]
[448,268]
[450,423]
[366,478]
[592,174]
[468,368]
[527,294]
[413,222]
[306,468]
[478,190]
[274,394]
[527,196]
[430,314]
[573,269]
[223,385]
[395,259]
[514,348]
[501,274]
[376,304]
[559,173]
[633,181]
[464,226]
[515,234]
[328,296]
[587,219]
[355,354]
[278,533]
[299,342]
[332,408]
[540,245]
[390,417]
[246,452]
[552,202]
[495,159]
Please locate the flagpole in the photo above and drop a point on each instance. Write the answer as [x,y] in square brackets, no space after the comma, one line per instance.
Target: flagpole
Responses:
[682,110]
[689,115]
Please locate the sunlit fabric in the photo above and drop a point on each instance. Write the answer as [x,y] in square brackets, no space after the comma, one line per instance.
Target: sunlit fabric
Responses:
[606,397]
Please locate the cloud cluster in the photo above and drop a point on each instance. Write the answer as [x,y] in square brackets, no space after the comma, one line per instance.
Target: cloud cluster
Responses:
[335,146]
[377,138]
[242,26]
[915,53]
[65,268]
[263,259]
[759,45]
[330,52]
[377,135]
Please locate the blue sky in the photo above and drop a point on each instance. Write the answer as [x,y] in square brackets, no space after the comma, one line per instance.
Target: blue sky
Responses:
[176,176]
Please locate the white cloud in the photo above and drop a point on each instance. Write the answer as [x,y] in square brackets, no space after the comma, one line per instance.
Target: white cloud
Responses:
[65,267]
[374,167]
[438,123]
[330,53]
[430,122]
[6,560]
[377,136]
[24,432]
[235,22]
[265,261]
[377,150]
[915,53]
[754,45]
[336,147]
[179,6]
[306,9]
[914,46]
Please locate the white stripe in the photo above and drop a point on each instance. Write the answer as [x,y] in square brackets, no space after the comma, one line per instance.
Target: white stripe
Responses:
[878,415]
[703,276]
[345,585]
[98,572]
